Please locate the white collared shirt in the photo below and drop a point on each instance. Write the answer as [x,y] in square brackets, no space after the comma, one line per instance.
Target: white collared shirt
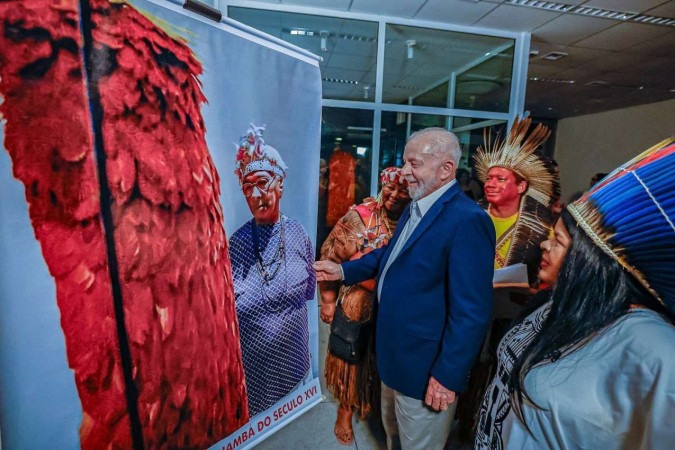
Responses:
[418,209]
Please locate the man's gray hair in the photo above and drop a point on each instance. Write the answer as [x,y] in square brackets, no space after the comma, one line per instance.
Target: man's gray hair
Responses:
[440,141]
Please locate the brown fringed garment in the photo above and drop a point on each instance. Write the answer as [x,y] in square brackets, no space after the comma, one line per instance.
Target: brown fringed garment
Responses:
[355,385]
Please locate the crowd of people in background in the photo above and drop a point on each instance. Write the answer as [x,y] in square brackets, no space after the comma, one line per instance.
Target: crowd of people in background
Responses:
[573,354]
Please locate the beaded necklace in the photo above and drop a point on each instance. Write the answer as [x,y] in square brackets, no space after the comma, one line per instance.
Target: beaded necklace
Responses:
[269,270]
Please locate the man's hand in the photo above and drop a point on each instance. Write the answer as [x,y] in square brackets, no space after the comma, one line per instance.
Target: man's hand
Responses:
[327,271]
[438,398]
[327,312]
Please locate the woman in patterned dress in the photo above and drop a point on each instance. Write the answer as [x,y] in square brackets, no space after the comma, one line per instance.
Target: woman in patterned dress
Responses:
[364,228]
[272,258]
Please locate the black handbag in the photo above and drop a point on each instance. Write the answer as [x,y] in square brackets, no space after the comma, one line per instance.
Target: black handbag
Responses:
[348,339]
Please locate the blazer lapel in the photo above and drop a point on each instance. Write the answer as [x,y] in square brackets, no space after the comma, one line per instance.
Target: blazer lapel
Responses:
[429,217]
[395,237]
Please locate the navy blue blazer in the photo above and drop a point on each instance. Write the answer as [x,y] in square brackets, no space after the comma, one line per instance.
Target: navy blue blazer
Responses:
[436,301]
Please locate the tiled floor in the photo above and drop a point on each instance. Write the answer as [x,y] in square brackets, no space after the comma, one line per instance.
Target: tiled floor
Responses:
[314,429]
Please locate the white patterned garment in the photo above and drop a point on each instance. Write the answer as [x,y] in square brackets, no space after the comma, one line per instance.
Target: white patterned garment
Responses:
[496,404]
[615,392]
[272,314]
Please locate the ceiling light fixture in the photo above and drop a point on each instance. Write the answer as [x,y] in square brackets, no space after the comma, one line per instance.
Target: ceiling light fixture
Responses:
[300,32]
[553,56]
[551,80]
[339,80]
[602,13]
[410,44]
[365,92]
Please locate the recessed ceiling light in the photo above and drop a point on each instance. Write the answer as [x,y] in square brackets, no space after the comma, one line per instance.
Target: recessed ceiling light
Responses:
[551,80]
[553,56]
[340,80]
[602,13]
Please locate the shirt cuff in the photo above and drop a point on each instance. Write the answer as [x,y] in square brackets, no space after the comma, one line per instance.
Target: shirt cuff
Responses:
[342,272]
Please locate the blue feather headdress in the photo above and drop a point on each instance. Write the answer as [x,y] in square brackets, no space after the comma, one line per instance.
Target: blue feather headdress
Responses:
[630,215]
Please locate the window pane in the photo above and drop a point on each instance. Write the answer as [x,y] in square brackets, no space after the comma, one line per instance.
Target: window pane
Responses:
[420,64]
[486,86]
[348,47]
[396,128]
[346,161]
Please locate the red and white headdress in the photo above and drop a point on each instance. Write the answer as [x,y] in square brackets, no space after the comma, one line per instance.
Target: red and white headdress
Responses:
[392,174]
[254,155]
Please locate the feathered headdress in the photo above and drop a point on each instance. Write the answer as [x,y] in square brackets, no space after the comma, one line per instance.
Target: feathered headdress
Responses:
[253,155]
[517,154]
[630,215]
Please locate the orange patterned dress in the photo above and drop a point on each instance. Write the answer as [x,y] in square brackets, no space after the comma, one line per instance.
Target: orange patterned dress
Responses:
[364,228]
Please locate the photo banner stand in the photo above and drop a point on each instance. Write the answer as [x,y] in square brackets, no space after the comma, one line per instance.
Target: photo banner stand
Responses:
[274,419]
[261,426]
[301,400]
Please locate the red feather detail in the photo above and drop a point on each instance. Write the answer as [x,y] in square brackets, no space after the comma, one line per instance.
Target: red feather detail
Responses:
[171,247]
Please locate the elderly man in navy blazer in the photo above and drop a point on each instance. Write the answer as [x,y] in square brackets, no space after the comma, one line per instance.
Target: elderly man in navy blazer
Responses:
[434,287]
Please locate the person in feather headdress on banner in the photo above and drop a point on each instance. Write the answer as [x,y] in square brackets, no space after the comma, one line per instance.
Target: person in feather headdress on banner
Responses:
[592,367]
[273,277]
[520,189]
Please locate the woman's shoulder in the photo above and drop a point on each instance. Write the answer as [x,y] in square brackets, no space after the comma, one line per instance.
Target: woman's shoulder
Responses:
[242,231]
[294,226]
[647,337]
[648,329]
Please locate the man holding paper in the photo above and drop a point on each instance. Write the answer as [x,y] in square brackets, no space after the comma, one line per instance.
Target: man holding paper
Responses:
[519,188]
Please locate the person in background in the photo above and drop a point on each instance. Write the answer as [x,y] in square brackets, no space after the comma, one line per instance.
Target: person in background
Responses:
[558,203]
[519,187]
[434,288]
[599,372]
[469,186]
[363,229]
[595,178]
[496,403]
[273,278]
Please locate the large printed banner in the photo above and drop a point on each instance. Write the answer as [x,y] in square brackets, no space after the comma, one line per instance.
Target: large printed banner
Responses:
[149,296]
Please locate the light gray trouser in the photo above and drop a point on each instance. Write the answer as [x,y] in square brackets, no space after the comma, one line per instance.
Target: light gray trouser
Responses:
[411,425]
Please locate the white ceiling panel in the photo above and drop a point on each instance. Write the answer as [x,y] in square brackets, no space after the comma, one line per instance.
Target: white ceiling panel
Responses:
[626,54]
[515,18]
[580,76]
[568,29]
[613,62]
[397,8]
[662,46]
[623,36]
[340,5]
[310,22]
[454,11]
[542,70]
[625,5]
[665,10]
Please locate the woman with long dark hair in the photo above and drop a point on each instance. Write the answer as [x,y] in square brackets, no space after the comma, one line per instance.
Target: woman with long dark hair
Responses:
[596,368]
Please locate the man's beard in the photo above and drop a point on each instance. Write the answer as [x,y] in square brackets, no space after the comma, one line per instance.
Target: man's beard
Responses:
[417,190]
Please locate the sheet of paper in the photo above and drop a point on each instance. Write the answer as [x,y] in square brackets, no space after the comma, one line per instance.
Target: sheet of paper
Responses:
[513,274]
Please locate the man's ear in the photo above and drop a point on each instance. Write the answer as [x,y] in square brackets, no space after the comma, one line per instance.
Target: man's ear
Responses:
[448,169]
[522,187]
